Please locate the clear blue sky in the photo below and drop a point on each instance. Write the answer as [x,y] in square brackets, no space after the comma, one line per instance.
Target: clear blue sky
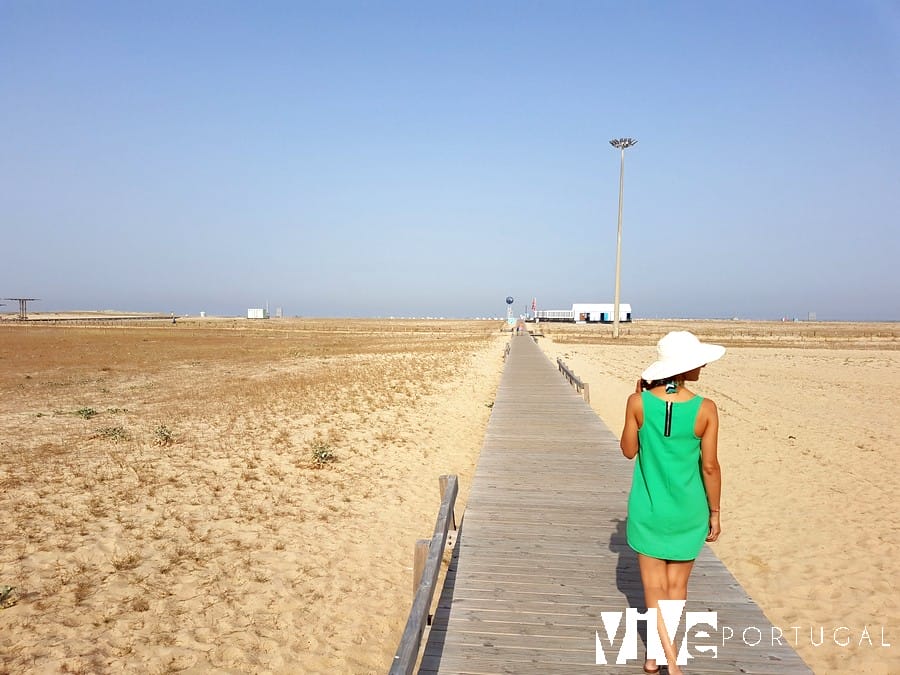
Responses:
[384,158]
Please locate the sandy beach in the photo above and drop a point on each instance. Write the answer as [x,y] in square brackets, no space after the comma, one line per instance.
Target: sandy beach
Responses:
[809,447]
[168,501]
[171,503]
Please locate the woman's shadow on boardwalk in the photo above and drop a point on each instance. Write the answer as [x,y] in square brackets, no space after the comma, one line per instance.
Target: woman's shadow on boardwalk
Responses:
[628,575]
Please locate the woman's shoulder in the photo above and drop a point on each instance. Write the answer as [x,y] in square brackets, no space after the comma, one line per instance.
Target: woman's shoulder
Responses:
[708,406]
[694,398]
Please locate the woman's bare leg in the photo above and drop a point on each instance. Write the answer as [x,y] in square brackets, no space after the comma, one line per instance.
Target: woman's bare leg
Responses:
[664,580]
[678,572]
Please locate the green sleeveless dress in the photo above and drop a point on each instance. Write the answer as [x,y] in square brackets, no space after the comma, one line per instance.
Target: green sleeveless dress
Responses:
[668,515]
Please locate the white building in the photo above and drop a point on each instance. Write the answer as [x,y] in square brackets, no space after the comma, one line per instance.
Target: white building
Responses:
[586,312]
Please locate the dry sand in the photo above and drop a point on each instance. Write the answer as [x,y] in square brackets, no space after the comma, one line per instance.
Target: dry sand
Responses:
[162,509]
[809,447]
[182,526]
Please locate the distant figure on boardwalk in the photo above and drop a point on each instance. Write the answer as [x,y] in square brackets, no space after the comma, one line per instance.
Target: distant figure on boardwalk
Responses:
[674,504]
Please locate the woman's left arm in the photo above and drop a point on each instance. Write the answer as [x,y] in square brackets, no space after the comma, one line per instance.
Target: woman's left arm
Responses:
[709,463]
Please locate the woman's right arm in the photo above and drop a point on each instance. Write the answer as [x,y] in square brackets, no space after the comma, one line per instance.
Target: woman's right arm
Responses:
[630,443]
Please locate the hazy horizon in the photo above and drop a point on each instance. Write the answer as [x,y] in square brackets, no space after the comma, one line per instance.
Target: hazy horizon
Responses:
[36,312]
[413,159]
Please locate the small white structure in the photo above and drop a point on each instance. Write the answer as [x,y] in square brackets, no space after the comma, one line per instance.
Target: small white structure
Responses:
[257,313]
[555,315]
[586,312]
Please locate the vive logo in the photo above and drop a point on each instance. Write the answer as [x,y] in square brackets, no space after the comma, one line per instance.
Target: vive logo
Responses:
[696,627]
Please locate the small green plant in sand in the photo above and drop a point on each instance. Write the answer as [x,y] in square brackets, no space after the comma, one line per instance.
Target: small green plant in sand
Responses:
[85,413]
[322,454]
[7,596]
[163,436]
[112,434]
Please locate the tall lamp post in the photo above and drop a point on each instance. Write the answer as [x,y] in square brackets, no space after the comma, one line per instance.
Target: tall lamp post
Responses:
[620,144]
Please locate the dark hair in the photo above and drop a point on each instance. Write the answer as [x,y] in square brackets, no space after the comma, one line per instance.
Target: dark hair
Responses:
[651,384]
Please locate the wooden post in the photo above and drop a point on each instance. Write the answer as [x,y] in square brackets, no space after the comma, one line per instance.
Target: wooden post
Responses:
[442,481]
[586,392]
[431,553]
[419,558]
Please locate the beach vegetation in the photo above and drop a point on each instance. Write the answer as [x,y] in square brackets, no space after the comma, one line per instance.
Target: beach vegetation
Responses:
[116,434]
[126,561]
[322,454]
[7,596]
[163,436]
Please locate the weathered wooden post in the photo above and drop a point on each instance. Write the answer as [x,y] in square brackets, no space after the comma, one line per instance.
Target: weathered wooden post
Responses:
[444,481]
[419,558]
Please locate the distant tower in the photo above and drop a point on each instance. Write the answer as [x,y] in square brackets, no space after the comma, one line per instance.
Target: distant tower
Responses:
[509,303]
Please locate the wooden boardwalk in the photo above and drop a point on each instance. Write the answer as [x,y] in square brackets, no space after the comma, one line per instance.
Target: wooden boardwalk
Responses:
[541,550]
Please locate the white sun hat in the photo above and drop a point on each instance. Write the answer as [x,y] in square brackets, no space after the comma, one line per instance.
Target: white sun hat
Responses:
[679,352]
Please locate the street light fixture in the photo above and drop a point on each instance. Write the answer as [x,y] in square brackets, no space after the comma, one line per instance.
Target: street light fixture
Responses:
[620,144]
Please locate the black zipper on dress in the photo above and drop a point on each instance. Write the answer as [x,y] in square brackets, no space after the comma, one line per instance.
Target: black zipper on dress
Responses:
[668,429]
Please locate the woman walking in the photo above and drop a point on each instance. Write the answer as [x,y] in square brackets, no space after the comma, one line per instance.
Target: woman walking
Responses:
[673,506]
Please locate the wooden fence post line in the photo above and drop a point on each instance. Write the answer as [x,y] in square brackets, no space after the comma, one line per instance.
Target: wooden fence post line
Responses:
[419,558]
[425,574]
[580,387]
